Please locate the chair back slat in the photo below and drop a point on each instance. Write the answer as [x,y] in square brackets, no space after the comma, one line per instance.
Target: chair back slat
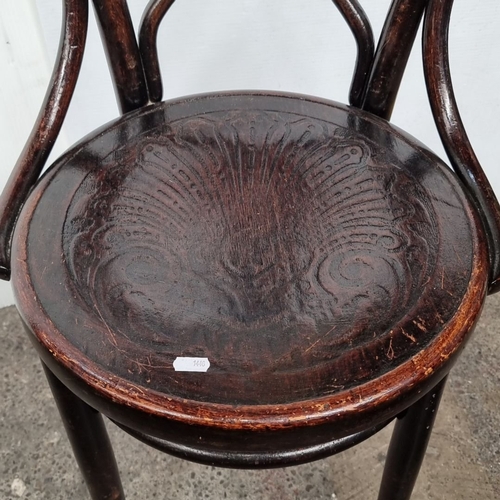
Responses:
[376,80]
[350,10]
[148,32]
[124,60]
[47,126]
[393,50]
[452,131]
[361,29]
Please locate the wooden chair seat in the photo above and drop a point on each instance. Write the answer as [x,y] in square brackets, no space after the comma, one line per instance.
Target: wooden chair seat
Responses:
[321,266]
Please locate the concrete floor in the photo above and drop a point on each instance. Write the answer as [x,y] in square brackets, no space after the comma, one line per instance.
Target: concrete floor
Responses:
[462,462]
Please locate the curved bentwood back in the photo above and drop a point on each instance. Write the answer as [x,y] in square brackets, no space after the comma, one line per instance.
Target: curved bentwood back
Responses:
[133,61]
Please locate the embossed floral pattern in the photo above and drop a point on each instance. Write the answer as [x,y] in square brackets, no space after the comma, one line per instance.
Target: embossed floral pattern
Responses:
[307,236]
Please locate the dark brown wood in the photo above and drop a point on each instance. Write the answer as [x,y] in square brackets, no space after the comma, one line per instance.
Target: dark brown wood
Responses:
[47,126]
[452,130]
[391,56]
[327,266]
[360,26]
[124,59]
[302,247]
[408,444]
[90,442]
[148,33]
[266,454]
[350,10]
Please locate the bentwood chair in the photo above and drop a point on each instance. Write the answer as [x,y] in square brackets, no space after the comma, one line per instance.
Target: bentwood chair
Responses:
[250,279]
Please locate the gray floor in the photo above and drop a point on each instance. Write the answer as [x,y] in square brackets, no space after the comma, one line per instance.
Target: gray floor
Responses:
[462,462]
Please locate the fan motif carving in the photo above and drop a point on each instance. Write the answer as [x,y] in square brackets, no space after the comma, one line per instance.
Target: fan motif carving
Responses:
[254,223]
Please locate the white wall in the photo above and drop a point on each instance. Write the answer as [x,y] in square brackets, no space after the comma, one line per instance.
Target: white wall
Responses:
[24,72]
[209,45]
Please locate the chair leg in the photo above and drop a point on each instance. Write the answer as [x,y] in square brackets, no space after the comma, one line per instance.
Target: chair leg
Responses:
[408,444]
[90,442]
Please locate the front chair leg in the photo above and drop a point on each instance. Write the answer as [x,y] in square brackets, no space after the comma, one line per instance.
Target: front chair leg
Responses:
[90,442]
[408,444]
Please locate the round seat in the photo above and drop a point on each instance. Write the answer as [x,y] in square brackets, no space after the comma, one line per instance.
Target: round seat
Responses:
[250,263]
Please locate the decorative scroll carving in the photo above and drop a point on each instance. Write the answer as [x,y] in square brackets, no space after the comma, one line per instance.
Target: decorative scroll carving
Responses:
[288,229]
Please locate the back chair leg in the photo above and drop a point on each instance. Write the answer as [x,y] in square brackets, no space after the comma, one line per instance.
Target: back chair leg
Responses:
[408,444]
[90,442]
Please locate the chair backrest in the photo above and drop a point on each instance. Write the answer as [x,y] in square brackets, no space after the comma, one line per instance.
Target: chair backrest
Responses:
[134,65]
[376,79]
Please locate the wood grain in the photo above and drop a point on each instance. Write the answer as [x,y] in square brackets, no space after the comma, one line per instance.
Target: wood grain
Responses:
[303,247]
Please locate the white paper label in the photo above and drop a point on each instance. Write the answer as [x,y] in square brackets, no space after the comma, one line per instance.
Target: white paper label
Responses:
[191,364]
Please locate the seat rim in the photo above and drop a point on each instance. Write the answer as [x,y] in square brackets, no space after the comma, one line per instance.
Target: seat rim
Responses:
[391,391]
[389,394]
